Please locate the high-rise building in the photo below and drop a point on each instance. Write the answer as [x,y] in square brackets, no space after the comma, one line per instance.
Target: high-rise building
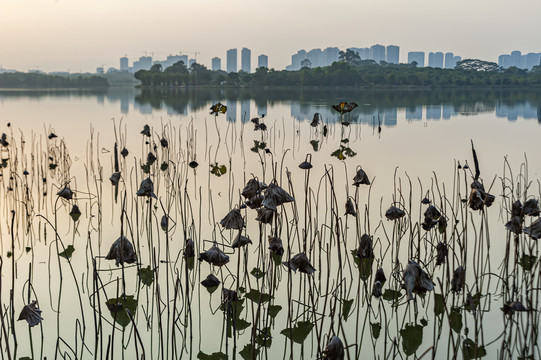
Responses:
[316,57]
[144,63]
[516,59]
[124,64]
[418,57]
[191,62]
[393,54]
[456,60]
[531,60]
[364,53]
[232,60]
[449,57]
[216,64]
[246,60]
[173,59]
[296,60]
[435,60]
[504,61]
[331,55]
[377,53]
[263,61]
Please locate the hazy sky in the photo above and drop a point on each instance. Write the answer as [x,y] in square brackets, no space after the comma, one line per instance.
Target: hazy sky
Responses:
[80,35]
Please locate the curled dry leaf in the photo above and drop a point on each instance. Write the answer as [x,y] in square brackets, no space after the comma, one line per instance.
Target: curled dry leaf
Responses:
[300,262]
[214,256]
[233,220]
[31,314]
[416,280]
[122,251]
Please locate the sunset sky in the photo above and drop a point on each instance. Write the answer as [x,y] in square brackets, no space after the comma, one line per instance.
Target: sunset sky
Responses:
[80,35]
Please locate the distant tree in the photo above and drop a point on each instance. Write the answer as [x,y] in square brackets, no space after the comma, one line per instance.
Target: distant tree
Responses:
[156,68]
[306,63]
[477,65]
[177,68]
[349,56]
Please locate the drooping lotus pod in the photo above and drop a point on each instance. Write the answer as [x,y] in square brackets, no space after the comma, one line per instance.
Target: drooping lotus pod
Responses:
[360,178]
[514,225]
[65,193]
[534,230]
[365,247]
[189,249]
[377,289]
[233,220]
[531,207]
[146,131]
[31,314]
[459,276]
[350,208]
[300,262]
[275,196]
[334,349]
[275,245]
[265,215]
[306,165]
[416,280]
[115,178]
[441,253]
[478,197]
[255,201]
[3,140]
[210,281]
[394,213]
[432,212]
[240,241]
[380,276]
[511,307]
[164,143]
[214,256]
[122,251]
[252,188]
[428,223]
[146,188]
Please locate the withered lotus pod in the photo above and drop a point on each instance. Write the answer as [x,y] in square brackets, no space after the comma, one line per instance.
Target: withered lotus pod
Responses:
[52,136]
[210,281]
[514,225]
[516,208]
[457,282]
[75,213]
[365,247]
[252,188]
[146,188]
[360,178]
[305,165]
[3,140]
[531,207]
[350,208]
[214,256]
[300,262]
[377,289]
[189,249]
[425,201]
[65,193]
[164,143]
[240,240]
[31,314]
[315,120]
[122,251]
[193,164]
[334,349]
[432,212]
[534,230]
[275,196]
[264,215]
[146,130]
[428,223]
[115,178]
[229,295]
[380,276]
[124,152]
[233,220]
[164,223]
[478,197]
[511,307]
[441,253]
[275,245]
[416,280]
[151,158]
[255,201]
[394,213]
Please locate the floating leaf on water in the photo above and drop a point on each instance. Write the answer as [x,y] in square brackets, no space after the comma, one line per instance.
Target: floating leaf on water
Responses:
[412,338]
[124,152]
[214,356]
[31,314]
[257,273]
[315,144]
[241,324]
[527,262]
[534,230]
[425,201]
[439,304]
[315,120]
[52,166]
[218,108]
[75,213]
[214,256]
[258,145]
[65,193]
[350,208]
[146,131]
[264,338]
[145,168]
[151,158]
[455,319]
[300,262]
[394,213]
[249,352]
[67,252]
[299,332]
[470,350]
[119,307]
[274,310]
[391,295]
[233,220]
[376,329]
[210,281]
[115,178]
[457,282]
[164,166]
[146,188]
[27,249]
[217,170]
[193,164]
[346,308]
[334,349]
[122,251]
[146,275]
[257,296]
[416,280]
[360,178]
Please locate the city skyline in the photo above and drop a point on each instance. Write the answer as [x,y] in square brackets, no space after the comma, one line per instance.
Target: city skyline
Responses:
[54,35]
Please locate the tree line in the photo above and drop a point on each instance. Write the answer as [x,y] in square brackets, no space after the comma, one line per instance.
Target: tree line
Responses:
[38,80]
[348,72]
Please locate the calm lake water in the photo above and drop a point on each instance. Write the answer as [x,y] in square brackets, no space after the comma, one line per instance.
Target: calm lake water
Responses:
[411,144]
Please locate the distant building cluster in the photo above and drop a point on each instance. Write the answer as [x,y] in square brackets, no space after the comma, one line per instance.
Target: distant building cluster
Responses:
[313,58]
[435,59]
[520,61]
